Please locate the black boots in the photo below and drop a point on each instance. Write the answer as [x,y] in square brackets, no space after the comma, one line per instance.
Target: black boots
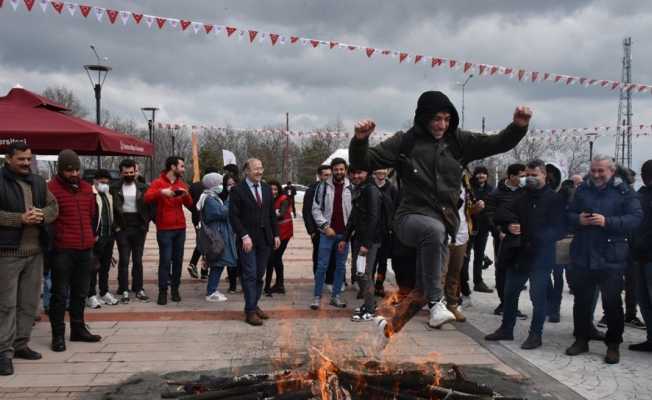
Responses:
[79,333]
[27,354]
[175,294]
[162,297]
[58,343]
[613,353]
[580,346]
[6,365]
[499,334]
[533,341]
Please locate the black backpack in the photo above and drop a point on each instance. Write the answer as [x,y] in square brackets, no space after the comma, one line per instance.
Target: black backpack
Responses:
[210,241]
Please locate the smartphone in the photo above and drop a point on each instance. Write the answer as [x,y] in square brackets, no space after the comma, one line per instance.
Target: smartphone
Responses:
[589,211]
[179,192]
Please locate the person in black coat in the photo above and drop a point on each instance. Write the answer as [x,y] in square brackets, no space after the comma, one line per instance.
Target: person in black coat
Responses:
[536,219]
[253,218]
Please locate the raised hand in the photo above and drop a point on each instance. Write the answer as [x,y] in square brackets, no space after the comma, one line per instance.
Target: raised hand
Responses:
[363,129]
[522,116]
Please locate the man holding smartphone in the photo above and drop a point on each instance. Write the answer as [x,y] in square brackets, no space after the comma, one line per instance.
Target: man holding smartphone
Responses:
[168,194]
[604,213]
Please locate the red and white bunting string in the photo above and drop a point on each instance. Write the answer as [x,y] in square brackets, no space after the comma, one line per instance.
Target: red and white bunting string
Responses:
[258,36]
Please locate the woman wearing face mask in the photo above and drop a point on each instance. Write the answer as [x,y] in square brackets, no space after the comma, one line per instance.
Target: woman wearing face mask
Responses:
[214,212]
[103,249]
[283,209]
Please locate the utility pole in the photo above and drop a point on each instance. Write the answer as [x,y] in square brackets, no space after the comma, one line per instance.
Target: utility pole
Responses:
[624,126]
[482,124]
[286,154]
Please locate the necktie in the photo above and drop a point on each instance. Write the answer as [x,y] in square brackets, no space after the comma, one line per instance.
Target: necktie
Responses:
[259,202]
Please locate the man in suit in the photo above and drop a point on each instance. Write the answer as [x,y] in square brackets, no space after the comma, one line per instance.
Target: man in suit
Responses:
[252,216]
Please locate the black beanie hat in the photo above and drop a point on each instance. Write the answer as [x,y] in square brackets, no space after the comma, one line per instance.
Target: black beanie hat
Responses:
[68,160]
[429,104]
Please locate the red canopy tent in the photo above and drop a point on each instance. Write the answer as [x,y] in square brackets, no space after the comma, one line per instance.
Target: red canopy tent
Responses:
[47,129]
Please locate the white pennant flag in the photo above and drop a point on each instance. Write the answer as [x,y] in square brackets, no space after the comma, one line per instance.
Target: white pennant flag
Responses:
[14,4]
[173,22]
[125,16]
[43,4]
[228,157]
[241,34]
[149,20]
[261,37]
[304,41]
[218,29]
[72,8]
[197,26]
[282,39]
[99,13]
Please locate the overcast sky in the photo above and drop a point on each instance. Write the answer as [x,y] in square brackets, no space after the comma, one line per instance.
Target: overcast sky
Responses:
[200,79]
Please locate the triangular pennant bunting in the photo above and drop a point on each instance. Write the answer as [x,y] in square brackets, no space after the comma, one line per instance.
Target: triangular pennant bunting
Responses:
[196,27]
[173,22]
[467,67]
[314,43]
[113,15]
[185,24]
[370,51]
[29,4]
[72,8]
[85,10]
[230,30]
[273,37]
[125,16]
[43,4]
[99,13]
[14,4]
[58,6]
[417,58]
[160,22]
[137,17]
[208,28]
[252,36]
[293,39]
[149,20]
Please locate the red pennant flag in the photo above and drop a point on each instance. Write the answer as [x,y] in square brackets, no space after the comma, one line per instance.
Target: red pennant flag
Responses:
[274,38]
[520,74]
[252,36]
[113,14]
[185,24]
[417,58]
[558,78]
[467,66]
[370,51]
[1,3]
[160,22]
[451,63]
[294,39]
[402,57]
[592,82]
[508,71]
[85,10]
[386,52]
[570,80]
[29,4]
[333,44]
[208,28]
[230,30]
[137,17]
[58,6]
[314,43]
[493,70]
[582,80]
[353,48]
[535,75]
[436,62]
[629,87]
[481,68]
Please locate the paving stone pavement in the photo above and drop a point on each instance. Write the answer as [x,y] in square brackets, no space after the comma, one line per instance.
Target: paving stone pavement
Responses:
[586,374]
[196,335]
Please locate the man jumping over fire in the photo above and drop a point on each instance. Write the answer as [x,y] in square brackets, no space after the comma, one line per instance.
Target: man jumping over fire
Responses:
[429,159]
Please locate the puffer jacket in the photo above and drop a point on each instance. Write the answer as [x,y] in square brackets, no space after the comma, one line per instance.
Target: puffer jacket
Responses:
[322,205]
[169,210]
[597,248]
[215,214]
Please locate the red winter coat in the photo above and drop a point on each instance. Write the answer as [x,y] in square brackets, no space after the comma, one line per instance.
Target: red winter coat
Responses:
[169,210]
[285,225]
[73,228]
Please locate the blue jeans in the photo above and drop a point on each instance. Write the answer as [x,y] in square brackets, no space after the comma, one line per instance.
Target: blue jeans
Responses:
[170,253]
[645,295]
[555,289]
[214,276]
[326,246]
[253,266]
[539,277]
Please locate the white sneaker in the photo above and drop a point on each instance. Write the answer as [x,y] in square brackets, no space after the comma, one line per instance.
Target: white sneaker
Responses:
[93,302]
[329,288]
[109,299]
[467,302]
[215,297]
[380,338]
[439,315]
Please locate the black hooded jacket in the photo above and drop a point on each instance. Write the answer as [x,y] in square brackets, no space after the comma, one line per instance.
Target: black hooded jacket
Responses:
[431,174]
[364,224]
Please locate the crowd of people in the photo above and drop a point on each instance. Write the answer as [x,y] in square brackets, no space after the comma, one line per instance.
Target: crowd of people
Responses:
[408,200]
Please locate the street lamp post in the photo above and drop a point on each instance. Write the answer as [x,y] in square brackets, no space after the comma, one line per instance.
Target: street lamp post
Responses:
[464,87]
[591,137]
[151,125]
[102,72]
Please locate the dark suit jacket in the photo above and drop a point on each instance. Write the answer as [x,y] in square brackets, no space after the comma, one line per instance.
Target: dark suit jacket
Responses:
[248,219]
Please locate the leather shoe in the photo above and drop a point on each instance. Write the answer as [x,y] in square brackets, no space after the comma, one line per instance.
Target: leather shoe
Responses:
[58,343]
[577,348]
[533,341]
[261,314]
[27,354]
[482,287]
[6,365]
[79,333]
[499,335]
[253,319]
[455,309]
[613,354]
[596,334]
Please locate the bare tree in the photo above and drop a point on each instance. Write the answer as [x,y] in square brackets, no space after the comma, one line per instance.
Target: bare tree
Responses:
[66,97]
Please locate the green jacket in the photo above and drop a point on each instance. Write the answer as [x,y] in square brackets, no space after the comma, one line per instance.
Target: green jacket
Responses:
[431,175]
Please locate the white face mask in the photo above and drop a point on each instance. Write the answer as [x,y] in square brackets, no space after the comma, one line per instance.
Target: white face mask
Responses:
[522,181]
[102,187]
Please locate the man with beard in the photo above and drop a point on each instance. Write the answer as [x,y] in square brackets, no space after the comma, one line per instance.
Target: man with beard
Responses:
[536,218]
[429,158]
[331,209]
[131,222]
[603,213]
[26,206]
[169,193]
[478,240]
[75,237]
